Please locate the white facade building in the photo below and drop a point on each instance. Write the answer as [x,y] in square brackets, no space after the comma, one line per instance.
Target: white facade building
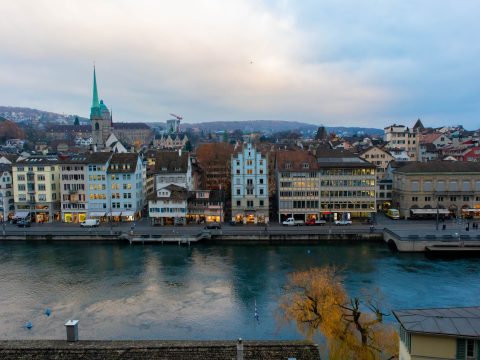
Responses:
[249,186]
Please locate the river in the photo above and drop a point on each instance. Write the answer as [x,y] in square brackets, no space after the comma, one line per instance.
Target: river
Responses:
[200,292]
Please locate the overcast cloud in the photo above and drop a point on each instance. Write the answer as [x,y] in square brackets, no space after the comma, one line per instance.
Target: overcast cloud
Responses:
[336,62]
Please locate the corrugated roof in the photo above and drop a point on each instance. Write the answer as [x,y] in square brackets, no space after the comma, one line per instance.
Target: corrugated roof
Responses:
[462,321]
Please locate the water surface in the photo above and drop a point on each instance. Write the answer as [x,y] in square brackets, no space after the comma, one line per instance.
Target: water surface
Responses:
[200,292]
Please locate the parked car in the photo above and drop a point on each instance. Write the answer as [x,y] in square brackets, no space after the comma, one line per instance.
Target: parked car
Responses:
[90,223]
[314,222]
[343,222]
[23,223]
[292,222]
[213,226]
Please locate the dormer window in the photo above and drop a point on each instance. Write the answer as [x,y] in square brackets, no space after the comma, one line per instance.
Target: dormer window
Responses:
[288,165]
[306,165]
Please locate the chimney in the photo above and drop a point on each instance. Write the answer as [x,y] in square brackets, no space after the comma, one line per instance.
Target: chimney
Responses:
[240,349]
[72,330]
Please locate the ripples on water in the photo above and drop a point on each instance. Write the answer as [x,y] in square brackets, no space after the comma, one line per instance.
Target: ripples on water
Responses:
[201,292]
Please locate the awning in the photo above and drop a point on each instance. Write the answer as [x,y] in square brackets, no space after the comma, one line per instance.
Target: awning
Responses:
[128,213]
[115,213]
[21,214]
[97,214]
[429,211]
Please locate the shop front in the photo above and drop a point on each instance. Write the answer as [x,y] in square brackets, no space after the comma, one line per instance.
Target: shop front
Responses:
[74,217]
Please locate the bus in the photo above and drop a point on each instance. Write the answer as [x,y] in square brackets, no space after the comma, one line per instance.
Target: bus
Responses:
[393,214]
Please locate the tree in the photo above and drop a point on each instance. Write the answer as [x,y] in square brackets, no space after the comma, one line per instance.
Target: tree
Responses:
[353,328]
[76,121]
[188,146]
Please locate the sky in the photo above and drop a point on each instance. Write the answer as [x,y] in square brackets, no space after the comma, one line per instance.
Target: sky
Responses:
[366,63]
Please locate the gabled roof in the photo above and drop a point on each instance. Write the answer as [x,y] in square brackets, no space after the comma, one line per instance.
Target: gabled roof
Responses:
[127,163]
[99,157]
[176,193]
[430,138]
[460,321]
[418,125]
[296,160]
[171,162]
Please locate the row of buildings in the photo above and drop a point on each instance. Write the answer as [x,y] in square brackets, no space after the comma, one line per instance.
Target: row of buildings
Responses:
[170,187]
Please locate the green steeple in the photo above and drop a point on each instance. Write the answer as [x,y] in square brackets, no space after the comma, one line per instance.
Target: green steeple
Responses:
[95,109]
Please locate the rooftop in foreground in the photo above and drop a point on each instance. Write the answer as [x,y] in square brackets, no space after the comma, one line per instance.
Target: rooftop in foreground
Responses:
[146,349]
[461,321]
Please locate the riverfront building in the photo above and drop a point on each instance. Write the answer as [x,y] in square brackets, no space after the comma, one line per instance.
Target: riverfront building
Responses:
[446,333]
[249,185]
[115,186]
[73,194]
[453,186]
[36,188]
[298,185]
[347,185]
[168,206]
[125,185]
[333,185]
[7,206]
[173,167]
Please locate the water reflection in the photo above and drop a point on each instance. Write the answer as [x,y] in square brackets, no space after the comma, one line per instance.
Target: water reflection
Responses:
[201,292]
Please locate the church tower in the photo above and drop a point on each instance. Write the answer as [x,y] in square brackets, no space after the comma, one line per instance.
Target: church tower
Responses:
[100,118]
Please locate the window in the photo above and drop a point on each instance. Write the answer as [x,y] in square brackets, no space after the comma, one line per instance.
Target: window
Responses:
[261,181]
[261,203]
[466,198]
[453,198]
[471,353]
[428,198]
[414,198]
[238,191]
[239,203]
[261,191]
[249,171]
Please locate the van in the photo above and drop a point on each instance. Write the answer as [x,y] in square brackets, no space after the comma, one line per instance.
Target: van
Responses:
[292,222]
[90,223]
[393,214]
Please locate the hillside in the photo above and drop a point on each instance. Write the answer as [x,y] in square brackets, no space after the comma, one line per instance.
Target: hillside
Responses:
[271,126]
[21,114]
[10,130]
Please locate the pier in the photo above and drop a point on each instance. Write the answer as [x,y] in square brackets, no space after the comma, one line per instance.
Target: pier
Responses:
[433,241]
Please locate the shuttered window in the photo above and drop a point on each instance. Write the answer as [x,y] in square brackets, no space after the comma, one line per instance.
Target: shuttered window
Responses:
[460,355]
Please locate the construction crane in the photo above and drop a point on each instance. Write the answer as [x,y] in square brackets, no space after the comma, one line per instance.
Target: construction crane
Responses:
[178,117]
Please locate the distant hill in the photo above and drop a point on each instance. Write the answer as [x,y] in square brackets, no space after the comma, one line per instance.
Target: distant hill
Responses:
[271,126]
[23,114]
[27,115]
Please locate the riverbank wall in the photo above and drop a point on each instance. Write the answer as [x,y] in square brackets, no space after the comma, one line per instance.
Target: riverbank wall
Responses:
[215,238]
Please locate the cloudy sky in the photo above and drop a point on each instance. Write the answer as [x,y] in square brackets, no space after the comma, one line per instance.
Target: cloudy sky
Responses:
[335,62]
